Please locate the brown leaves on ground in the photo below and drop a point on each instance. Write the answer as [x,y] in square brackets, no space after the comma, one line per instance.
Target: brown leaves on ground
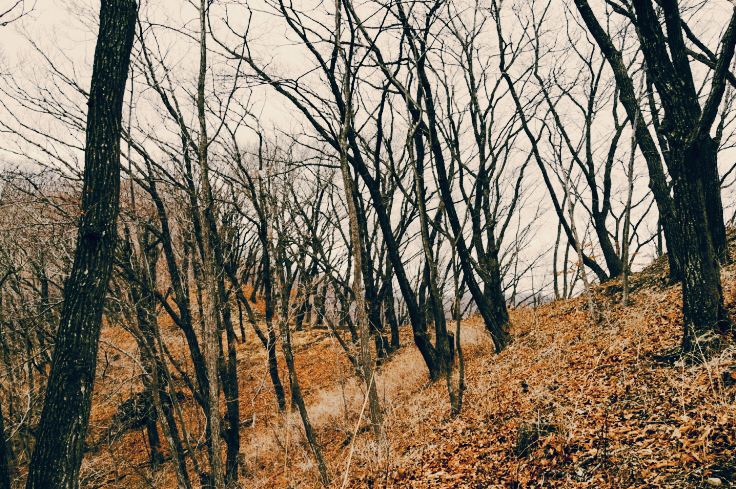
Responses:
[623,418]
[615,414]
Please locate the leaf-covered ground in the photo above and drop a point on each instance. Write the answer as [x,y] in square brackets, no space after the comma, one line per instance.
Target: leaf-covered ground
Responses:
[567,404]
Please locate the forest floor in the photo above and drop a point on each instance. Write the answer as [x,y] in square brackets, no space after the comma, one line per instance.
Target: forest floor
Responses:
[567,404]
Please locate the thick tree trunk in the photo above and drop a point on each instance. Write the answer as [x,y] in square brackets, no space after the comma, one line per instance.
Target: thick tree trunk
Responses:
[493,288]
[712,194]
[702,307]
[59,449]
[692,221]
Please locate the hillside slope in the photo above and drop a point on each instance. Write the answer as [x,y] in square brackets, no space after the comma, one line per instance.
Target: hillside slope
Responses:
[568,404]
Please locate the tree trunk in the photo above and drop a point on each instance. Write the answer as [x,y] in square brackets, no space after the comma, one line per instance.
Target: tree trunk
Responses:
[59,449]
[493,286]
[457,400]
[231,390]
[4,465]
[179,283]
[390,312]
[712,194]
[320,305]
[443,359]
[361,308]
[298,400]
[702,296]
[627,223]
[579,247]
[300,301]
[269,343]
[627,209]
[657,179]
[170,430]
[555,282]
[256,283]
[361,312]
[211,331]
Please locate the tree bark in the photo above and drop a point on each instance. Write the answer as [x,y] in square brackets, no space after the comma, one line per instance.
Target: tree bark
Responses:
[230,388]
[704,313]
[4,465]
[390,312]
[712,195]
[59,449]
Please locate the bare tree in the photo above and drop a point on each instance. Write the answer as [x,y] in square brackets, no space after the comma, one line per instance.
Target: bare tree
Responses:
[59,448]
[693,216]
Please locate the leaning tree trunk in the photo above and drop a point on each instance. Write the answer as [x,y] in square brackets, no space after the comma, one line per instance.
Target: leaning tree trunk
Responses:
[62,430]
[296,392]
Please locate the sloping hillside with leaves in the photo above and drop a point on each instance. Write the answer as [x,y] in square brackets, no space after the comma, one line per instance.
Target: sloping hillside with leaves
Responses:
[574,404]
[568,404]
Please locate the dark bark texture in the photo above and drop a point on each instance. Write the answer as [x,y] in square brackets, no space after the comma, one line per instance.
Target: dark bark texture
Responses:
[59,449]
[4,467]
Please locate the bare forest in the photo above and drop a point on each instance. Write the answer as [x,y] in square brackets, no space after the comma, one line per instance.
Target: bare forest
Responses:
[423,243]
